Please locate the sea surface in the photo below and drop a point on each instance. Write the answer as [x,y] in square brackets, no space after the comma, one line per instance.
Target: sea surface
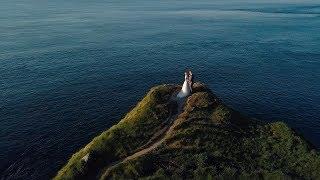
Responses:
[70,69]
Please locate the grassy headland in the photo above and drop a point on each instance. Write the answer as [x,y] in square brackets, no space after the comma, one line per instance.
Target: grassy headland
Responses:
[207,140]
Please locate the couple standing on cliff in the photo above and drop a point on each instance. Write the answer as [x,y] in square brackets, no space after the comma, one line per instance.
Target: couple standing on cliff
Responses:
[187,85]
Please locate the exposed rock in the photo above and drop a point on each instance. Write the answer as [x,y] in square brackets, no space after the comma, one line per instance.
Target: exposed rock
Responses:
[85,158]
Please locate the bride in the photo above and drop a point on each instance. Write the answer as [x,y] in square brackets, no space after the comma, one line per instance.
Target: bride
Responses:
[187,85]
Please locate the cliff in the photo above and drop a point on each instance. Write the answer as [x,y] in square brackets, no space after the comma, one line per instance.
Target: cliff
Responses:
[198,137]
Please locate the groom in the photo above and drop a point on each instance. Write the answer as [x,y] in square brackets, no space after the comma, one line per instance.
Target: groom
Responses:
[189,79]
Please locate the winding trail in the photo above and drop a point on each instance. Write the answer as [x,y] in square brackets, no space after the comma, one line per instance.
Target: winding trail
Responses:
[154,141]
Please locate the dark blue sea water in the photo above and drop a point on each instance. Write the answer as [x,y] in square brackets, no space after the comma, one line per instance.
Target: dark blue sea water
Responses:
[71,69]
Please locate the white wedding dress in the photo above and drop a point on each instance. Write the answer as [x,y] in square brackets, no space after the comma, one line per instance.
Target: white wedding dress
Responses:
[186,89]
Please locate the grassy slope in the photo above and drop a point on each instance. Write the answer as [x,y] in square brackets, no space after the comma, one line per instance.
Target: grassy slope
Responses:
[210,140]
[135,129]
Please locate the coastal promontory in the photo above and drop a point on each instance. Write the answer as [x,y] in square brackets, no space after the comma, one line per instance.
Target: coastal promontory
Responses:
[197,137]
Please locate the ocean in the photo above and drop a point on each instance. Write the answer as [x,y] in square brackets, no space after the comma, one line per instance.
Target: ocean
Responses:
[71,69]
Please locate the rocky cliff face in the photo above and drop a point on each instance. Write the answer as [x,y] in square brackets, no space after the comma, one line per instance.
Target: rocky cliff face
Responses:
[198,137]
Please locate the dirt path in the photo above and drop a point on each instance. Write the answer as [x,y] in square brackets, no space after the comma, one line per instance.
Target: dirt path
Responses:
[155,141]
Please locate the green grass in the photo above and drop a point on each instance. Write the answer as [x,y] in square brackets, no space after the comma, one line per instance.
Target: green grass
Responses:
[122,139]
[221,114]
[208,141]
[211,141]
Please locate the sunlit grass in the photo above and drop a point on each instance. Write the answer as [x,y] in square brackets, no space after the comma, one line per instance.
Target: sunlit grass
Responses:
[207,141]
[211,141]
[125,137]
